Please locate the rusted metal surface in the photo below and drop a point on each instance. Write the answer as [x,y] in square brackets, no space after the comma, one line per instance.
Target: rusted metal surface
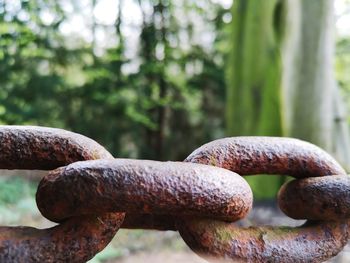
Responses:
[90,198]
[317,198]
[267,155]
[313,242]
[141,186]
[76,240]
[41,148]
[254,155]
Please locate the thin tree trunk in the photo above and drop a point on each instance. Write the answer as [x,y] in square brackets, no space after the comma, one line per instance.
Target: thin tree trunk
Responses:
[163,88]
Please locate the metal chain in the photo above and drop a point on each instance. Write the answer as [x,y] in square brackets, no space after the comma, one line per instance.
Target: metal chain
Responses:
[315,241]
[75,240]
[89,198]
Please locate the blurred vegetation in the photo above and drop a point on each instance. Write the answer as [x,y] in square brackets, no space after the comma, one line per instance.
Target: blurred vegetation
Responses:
[178,76]
[17,200]
[153,88]
[172,103]
[343,68]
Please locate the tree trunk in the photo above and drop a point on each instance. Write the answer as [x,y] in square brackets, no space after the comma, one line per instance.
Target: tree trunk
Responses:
[254,78]
[254,75]
[312,104]
[308,78]
[281,79]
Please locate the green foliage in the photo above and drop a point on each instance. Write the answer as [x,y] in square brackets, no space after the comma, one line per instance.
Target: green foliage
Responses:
[17,200]
[176,93]
[14,189]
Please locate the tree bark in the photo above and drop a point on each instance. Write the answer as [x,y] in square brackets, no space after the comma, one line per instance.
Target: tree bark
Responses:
[308,79]
[312,106]
[254,75]
[280,77]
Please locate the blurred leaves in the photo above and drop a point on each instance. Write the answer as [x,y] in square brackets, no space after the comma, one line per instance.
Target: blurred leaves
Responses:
[164,109]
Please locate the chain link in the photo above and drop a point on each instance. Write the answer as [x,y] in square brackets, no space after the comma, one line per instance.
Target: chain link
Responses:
[315,241]
[91,197]
[75,240]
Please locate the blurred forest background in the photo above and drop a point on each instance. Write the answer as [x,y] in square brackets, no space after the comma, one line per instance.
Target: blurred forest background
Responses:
[155,79]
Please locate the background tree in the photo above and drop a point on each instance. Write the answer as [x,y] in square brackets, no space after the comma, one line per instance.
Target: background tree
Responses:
[253,105]
[313,106]
[281,76]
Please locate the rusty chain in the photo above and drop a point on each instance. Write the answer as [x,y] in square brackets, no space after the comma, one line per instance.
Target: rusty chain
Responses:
[91,195]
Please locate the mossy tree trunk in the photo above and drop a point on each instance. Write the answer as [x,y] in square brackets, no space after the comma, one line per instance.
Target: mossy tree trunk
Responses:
[280,76]
[254,75]
[253,104]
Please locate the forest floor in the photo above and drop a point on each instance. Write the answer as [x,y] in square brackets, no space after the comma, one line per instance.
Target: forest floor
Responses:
[17,207]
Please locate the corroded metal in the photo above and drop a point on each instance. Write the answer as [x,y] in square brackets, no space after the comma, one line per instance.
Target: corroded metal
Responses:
[316,198]
[256,155]
[253,155]
[141,186]
[186,196]
[267,155]
[41,148]
[312,242]
[75,240]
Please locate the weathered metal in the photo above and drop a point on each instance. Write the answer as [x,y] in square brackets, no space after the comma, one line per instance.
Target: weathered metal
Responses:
[41,148]
[268,155]
[249,156]
[316,198]
[142,186]
[75,240]
[225,242]
[90,198]
[256,155]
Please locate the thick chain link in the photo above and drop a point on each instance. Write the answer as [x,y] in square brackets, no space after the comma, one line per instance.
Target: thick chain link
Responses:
[90,192]
[315,241]
[75,240]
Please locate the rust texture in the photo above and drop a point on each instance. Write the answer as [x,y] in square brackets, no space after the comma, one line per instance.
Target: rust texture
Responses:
[75,240]
[312,242]
[267,155]
[90,197]
[41,148]
[316,198]
[254,155]
[141,186]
